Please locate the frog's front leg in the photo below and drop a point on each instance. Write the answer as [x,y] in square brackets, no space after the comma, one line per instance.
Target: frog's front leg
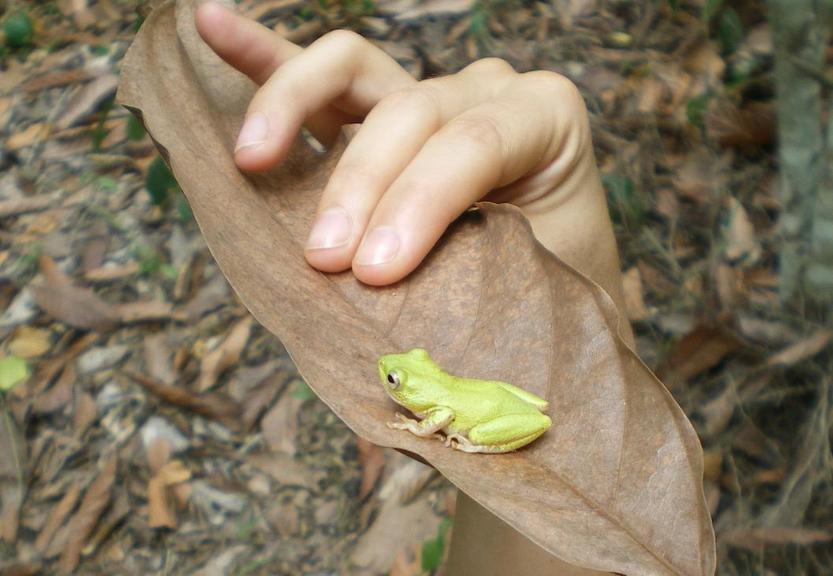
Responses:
[435,419]
[503,434]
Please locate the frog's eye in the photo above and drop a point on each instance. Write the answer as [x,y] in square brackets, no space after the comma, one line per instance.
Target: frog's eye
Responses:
[393,380]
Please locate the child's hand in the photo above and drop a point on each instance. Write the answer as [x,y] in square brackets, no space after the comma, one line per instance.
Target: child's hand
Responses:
[425,151]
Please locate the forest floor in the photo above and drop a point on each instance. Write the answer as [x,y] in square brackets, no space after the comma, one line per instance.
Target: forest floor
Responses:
[163,431]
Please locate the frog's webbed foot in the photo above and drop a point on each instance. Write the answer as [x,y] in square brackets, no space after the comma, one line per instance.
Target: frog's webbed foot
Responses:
[455,440]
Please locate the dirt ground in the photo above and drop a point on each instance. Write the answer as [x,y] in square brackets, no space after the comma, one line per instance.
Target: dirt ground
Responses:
[162,430]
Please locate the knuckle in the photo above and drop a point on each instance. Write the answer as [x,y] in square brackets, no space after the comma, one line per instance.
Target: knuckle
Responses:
[491,65]
[479,131]
[420,100]
[555,85]
[346,41]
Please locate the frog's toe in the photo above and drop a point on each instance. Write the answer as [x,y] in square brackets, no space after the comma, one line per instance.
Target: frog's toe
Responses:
[453,440]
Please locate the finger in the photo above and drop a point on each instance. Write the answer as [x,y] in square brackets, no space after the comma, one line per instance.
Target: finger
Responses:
[389,139]
[340,66]
[245,44]
[486,147]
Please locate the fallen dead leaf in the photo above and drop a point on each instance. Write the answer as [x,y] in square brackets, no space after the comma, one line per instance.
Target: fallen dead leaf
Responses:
[407,563]
[397,526]
[25,205]
[157,355]
[54,79]
[406,480]
[111,273]
[620,469]
[13,459]
[147,311]
[634,301]
[801,350]
[225,355]
[745,128]
[34,134]
[161,510]
[280,424]
[85,101]
[756,538]
[209,404]
[59,395]
[76,307]
[56,518]
[372,461]
[30,342]
[741,243]
[84,414]
[699,350]
[84,520]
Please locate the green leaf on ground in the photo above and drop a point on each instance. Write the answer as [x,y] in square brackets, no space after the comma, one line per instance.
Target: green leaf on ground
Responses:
[135,129]
[302,391]
[730,31]
[159,182]
[13,371]
[18,29]
[626,206]
[433,549]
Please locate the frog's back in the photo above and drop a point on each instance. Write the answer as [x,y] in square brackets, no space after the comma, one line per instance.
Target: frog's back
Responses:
[484,399]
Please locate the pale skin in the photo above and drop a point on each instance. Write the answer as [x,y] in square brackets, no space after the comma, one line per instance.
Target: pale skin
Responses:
[425,151]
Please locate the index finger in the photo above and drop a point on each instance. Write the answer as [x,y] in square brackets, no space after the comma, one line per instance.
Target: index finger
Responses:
[245,44]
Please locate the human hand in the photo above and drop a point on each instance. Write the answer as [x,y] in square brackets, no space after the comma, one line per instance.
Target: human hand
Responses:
[425,150]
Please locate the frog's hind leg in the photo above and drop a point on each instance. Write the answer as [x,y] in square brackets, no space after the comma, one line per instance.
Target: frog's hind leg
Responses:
[502,434]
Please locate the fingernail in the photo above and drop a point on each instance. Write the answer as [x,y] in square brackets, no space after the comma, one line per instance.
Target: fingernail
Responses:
[380,247]
[331,229]
[253,132]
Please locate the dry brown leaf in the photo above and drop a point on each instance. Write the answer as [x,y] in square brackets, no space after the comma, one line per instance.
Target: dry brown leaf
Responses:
[407,563]
[85,101]
[85,413]
[34,134]
[750,127]
[59,395]
[146,311]
[616,483]
[435,8]
[13,458]
[259,398]
[76,307]
[161,511]
[397,526]
[806,348]
[158,454]
[54,79]
[407,479]
[157,354]
[741,243]
[84,520]
[634,300]
[699,350]
[210,404]
[280,424]
[756,538]
[30,342]
[372,461]
[56,518]
[225,355]
[110,273]
[24,205]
